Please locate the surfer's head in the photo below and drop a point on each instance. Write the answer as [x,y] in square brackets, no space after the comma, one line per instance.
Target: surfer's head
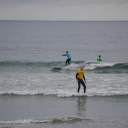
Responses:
[66,51]
[99,55]
[82,67]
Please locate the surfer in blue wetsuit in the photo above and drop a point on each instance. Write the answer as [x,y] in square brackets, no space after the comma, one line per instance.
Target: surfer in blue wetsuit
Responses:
[68,59]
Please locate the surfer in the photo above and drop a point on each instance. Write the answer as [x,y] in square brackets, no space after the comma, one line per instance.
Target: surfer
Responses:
[79,78]
[68,59]
[99,58]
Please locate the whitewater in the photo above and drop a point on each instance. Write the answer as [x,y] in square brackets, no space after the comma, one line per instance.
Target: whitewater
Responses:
[41,78]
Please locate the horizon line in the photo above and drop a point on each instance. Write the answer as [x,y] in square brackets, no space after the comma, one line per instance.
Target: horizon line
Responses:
[70,20]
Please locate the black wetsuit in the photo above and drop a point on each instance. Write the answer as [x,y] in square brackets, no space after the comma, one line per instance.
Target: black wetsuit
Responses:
[80,81]
[68,61]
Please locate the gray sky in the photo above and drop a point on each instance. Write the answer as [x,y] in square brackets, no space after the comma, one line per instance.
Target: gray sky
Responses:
[64,10]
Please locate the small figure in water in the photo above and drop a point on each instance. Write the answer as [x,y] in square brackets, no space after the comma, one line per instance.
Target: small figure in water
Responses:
[99,58]
[80,77]
[68,59]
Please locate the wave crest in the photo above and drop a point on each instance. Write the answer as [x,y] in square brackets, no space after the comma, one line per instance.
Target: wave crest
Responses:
[47,120]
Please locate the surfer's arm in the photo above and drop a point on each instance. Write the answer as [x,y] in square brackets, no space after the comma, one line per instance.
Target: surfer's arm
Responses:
[76,77]
[63,54]
[84,78]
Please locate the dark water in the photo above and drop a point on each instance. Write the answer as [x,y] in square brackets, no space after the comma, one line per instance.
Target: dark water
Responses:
[46,41]
[49,111]
[38,90]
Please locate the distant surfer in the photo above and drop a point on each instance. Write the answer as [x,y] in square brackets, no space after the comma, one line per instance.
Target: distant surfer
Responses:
[99,58]
[80,78]
[68,59]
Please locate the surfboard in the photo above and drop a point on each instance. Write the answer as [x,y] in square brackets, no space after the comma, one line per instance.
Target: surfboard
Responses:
[67,67]
[57,68]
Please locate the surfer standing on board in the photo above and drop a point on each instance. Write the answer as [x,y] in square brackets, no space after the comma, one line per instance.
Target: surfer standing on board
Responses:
[80,77]
[68,59]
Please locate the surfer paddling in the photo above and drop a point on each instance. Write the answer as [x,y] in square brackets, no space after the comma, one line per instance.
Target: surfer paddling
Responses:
[80,78]
[68,59]
[99,58]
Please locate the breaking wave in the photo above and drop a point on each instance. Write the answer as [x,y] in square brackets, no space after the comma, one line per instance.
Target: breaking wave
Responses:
[104,67]
[47,120]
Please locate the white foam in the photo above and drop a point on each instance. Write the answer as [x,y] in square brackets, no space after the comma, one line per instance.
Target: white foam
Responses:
[71,66]
[63,84]
[47,120]
[25,121]
[91,66]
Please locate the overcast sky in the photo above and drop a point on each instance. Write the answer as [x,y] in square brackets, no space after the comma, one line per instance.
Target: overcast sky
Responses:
[84,10]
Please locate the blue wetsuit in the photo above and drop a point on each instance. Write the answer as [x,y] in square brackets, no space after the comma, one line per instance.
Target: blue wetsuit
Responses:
[68,55]
[69,58]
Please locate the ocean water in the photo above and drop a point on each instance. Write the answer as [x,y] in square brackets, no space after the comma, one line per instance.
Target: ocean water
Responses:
[37,89]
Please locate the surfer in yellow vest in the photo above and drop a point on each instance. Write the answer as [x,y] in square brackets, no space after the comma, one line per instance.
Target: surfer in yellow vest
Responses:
[80,78]
[99,58]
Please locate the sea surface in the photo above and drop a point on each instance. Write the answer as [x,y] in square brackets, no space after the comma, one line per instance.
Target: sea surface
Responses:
[37,89]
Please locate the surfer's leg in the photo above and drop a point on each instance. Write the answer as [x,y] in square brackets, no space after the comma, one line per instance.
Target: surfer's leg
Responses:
[82,82]
[78,86]
[67,62]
